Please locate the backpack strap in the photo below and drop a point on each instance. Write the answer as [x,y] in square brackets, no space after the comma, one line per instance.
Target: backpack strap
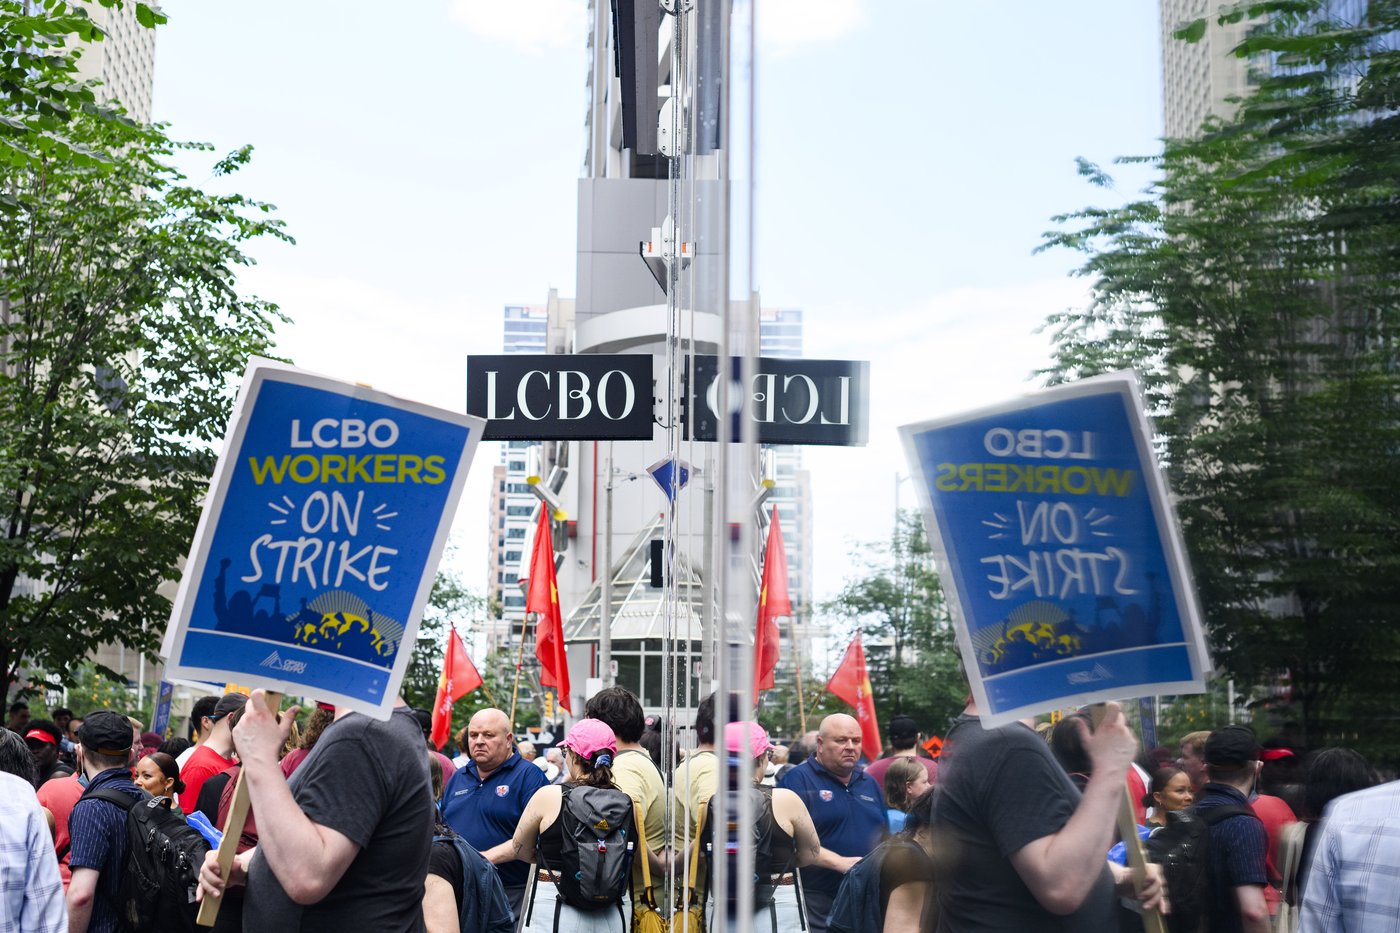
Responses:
[111,795]
[703,805]
[646,862]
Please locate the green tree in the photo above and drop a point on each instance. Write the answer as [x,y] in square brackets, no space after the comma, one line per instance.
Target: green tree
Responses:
[1255,288]
[122,332]
[450,605]
[898,605]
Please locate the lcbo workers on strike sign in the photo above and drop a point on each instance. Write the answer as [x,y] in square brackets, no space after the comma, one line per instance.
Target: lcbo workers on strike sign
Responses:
[320,539]
[1059,550]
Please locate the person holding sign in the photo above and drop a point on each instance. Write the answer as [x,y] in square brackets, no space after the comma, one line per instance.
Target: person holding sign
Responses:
[1028,849]
[344,844]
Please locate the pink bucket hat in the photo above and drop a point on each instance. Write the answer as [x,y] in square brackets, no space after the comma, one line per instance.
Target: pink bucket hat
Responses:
[750,737]
[588,737]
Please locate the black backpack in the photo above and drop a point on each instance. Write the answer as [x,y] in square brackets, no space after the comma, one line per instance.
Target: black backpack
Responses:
[1182,848]
[856,907]
[763,867]
[162,865]
[595,869]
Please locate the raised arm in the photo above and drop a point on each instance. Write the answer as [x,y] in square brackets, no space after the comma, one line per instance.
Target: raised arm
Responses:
[1060,869]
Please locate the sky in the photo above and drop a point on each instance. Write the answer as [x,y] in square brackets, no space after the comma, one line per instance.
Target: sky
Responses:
[910,154]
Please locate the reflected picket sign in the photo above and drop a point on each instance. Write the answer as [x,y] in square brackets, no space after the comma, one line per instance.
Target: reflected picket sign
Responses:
[1059,550]
[313,559]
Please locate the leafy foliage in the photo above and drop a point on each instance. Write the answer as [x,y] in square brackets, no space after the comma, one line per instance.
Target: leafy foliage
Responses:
[899,607]
[121,332]
[1255,289]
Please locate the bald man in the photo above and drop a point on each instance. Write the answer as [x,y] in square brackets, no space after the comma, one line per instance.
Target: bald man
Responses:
[846,806]
[485,798]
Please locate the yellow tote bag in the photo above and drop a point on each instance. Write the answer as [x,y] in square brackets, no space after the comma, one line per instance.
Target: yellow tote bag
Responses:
[692,919]
[645,917]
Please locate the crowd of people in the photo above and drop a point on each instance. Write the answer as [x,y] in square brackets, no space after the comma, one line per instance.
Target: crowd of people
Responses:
[358,824]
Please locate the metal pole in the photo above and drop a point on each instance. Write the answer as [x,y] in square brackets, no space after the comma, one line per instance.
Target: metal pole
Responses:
[707,583]
[606,586]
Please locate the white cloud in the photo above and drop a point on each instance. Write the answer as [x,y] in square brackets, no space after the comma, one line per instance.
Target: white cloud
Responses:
[785,25]
[536,27]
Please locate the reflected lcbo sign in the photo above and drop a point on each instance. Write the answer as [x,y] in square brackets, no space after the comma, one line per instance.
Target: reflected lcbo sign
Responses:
[610,397]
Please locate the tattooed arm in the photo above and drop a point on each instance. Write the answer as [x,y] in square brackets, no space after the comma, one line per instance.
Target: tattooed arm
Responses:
[542,810]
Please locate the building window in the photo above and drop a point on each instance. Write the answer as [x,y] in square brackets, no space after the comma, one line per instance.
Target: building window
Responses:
[515,533]
[512,555]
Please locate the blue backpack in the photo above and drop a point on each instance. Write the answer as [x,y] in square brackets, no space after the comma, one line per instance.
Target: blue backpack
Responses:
[856,908]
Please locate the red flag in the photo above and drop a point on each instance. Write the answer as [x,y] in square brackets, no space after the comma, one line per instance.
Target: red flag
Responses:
[542,598]
[772,602]
[851,682]
[459,677]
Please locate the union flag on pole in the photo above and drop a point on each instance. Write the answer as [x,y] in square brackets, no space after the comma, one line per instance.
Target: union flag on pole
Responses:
[851,683]
[459,677]
[542,598]
[772,602]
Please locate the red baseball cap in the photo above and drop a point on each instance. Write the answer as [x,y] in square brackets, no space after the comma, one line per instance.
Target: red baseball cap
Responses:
[43,735]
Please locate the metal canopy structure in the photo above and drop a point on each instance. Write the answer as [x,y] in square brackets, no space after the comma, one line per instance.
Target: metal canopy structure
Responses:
[639,610]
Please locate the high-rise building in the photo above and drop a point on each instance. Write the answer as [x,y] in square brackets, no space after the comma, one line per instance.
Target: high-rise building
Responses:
[526,329]
[1199,78]
[780,335]
[124,61]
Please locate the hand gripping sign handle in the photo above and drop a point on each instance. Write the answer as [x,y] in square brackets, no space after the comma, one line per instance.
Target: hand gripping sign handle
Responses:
[1137,859]
[1152,921]
[233,831]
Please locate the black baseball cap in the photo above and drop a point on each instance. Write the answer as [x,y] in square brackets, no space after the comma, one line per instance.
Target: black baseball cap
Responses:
[106,733]
[904,727]
[228,703]
[1231,747]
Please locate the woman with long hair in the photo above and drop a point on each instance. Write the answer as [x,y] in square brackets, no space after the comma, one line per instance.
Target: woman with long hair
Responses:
[906,780]
[907,894]
[540,837]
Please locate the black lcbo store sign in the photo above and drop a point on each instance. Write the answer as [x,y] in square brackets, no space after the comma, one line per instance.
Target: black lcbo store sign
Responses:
[606,397]
[791,401]
[602,397]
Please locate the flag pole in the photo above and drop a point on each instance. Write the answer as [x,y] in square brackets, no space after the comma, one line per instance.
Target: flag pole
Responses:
[519,663]
[797,673]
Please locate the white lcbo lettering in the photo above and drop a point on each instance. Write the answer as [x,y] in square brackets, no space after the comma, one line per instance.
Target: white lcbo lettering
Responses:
[1037,444]
[521,391]
[491,412]
[813,401]
[629,395]
[579,395]
[353,432]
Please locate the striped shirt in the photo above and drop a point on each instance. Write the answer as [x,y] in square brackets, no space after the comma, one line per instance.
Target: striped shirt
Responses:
[97,830]
[31,893]
[1351,886]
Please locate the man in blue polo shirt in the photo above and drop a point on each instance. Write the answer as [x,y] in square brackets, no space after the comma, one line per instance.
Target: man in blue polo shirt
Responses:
[97,827]
[846,806]
[485,799]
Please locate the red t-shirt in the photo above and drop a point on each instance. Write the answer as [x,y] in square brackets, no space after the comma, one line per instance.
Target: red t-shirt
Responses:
[59,795]
[1275,814]
[203,764]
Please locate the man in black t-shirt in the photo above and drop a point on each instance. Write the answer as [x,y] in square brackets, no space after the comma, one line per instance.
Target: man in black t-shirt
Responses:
[1024,850]
[344,844]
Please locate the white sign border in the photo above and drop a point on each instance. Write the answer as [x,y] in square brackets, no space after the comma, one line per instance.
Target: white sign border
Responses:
[259,371]
[1126,387]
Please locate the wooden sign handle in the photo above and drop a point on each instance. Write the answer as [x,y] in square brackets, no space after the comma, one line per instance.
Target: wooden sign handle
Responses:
[233,831]
[1137,860]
